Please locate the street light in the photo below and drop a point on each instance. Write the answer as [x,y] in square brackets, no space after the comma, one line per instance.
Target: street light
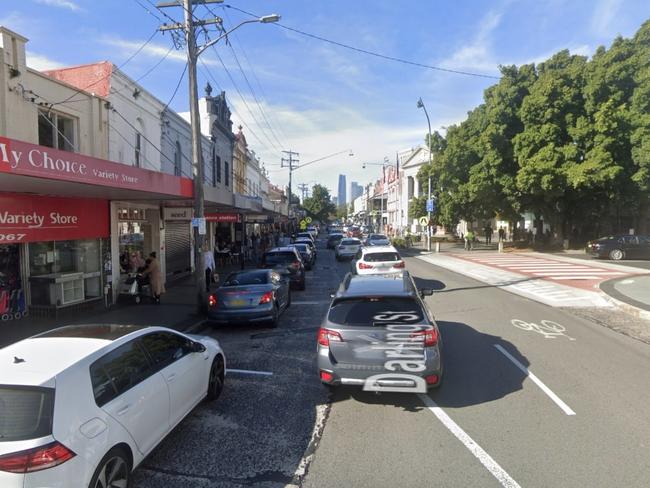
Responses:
[421,105]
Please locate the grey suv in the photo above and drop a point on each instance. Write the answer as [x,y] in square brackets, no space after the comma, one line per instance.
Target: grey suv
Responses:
[379,334]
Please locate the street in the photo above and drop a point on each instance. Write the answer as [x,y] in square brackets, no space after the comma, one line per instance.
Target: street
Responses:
[577,419]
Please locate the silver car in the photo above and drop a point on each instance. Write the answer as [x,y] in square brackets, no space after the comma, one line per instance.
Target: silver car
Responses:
[379,334]
[348,248]
[377,240]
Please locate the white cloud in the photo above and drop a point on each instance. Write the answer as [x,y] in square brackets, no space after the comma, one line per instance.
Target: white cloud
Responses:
[40,62]
[152,50]
[604,14]
[66,4]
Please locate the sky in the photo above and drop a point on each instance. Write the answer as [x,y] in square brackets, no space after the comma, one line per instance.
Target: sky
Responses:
[293,92]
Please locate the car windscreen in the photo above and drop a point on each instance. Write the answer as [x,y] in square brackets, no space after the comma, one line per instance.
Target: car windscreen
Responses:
[279,257]
[238,279]
[378,237]
[302,247]
[376,257]
[350,242]
[375,311]
[25,412]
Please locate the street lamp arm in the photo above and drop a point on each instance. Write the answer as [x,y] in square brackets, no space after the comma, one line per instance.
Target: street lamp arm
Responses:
[225,34]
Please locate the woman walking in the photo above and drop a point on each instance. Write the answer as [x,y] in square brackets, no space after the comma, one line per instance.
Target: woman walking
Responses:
[155,277]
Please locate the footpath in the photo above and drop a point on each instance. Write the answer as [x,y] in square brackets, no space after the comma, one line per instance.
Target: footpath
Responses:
[177,310]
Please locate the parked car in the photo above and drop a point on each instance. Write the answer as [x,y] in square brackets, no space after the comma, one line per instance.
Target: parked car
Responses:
[305,235]
[376,240]
[307,255]
[620,247]
[357,335]
[354,232]
[250,296]
[309,242]
[83,405]
[333,240]
[347,249]
[286,260]
[377,260]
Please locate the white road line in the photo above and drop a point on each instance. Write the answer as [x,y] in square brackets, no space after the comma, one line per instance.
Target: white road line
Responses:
[565,408]
[308,302]
[248,371]
[575,277]
[570,272]
[485,459]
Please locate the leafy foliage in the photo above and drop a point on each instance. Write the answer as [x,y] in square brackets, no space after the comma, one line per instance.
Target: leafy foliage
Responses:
[319,205]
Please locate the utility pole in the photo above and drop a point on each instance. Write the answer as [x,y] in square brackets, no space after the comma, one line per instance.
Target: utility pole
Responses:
[290,160]
[193,52]
[421,105]
[304,188]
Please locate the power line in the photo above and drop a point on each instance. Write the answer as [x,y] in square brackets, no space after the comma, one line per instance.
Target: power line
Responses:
[371,53]
[180,80]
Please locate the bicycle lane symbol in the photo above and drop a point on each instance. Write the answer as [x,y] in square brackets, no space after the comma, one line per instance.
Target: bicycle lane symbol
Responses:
[547,328]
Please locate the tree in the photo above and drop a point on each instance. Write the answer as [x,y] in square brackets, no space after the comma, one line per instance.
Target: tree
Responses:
[319,205]
[342,211]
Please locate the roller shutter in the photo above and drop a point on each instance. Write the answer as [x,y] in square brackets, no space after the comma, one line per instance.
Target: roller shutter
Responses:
[177,255]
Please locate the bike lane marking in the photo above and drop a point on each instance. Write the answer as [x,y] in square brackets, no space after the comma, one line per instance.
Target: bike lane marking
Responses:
[556,399]
[479,453]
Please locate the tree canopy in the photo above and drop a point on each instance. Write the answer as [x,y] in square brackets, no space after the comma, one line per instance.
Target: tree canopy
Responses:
[319,205]
[567,139]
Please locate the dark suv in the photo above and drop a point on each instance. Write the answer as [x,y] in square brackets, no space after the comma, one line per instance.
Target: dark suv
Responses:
[620,247]
[379,334]
[287,261]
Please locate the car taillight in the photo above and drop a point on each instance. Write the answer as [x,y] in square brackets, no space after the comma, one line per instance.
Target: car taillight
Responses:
[326,376]
[36,459]
[430,337]
[267,297]
[365,266]
[432,379]
[212,300]
[399,265]
[296,264]
[326,335]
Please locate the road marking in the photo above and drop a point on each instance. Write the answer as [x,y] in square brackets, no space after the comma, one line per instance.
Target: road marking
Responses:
[485,459]
[548,328]
[565,408]
[248,371]
[307,302]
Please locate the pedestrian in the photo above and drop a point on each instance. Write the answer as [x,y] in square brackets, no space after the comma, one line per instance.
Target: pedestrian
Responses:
[155,277]
[469,240]
[502,234]
[488,234]
[210,266]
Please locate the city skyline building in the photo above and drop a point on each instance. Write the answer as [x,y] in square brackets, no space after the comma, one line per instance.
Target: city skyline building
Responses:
[342,194]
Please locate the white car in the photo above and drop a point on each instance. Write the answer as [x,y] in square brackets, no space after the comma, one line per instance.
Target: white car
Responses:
[82,406]
[347,248]
[377,240]
[377,260]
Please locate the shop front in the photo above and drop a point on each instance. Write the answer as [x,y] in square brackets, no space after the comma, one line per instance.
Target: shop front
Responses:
[178,242]
[52,252]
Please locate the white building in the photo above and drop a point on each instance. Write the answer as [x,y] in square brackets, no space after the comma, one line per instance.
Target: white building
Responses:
[411,160]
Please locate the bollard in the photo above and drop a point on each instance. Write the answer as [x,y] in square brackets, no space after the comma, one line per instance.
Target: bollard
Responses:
[500,246]
[437,246]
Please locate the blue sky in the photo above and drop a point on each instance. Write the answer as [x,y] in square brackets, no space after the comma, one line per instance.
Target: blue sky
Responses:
[318,98]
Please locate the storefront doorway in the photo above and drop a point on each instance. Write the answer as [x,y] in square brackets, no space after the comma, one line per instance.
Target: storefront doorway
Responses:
[12,295]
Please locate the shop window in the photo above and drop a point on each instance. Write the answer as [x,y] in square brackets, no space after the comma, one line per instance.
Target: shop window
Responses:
[226,173]
[56,130]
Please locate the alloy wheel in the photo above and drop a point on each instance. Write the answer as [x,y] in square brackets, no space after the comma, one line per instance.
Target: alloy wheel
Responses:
[217,375]
[114,474]
[616,254]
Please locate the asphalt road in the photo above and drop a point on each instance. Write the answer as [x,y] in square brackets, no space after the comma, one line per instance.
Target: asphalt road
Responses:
[634,263]
[488,425]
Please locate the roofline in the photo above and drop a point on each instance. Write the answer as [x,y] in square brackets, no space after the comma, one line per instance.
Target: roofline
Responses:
[43,74]
[12,33]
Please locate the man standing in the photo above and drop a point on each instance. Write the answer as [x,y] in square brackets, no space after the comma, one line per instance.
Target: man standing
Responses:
[210,266]
[502,234]
[488,234]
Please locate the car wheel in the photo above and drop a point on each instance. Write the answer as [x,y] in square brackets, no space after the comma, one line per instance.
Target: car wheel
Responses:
[114,470]
[616,254]
[216,380]
[276,316]
[137,299]
[303,285]
[288,299]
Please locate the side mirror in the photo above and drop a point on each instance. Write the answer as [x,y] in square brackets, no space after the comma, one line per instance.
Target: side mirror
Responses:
[426,292]
[332,293]
[198,347]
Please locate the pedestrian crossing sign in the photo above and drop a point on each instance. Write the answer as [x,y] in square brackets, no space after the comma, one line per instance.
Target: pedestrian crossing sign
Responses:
[424,220]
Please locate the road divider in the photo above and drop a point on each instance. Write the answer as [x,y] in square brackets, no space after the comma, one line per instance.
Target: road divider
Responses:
[558,401]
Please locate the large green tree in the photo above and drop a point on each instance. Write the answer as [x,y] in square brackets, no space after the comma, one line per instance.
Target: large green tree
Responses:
[319,205]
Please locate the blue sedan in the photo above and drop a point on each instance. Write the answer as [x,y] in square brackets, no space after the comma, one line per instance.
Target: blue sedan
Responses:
[250,297]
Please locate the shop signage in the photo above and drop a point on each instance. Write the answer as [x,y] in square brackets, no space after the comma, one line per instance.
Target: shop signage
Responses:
[222,217]
[22,158]
[29,218]
[184,213]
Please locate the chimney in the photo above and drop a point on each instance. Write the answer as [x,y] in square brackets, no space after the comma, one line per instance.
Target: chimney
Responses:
[13,50]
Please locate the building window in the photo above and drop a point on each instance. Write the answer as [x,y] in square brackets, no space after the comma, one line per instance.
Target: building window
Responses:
[218,169]
[177,159]
[226,173]
[56,130]
[138,149]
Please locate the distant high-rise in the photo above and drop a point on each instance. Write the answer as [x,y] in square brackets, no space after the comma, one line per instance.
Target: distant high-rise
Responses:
[356,190]
[342,190]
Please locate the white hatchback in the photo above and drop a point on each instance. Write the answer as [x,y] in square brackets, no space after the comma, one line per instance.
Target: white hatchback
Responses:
[347,248]
[377,260]
[81,406]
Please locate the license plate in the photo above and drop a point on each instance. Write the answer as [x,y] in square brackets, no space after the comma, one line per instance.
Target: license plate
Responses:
[238,303]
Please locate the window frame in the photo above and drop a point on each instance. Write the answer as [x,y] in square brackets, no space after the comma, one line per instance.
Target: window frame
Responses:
[55,130]
[159,367]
